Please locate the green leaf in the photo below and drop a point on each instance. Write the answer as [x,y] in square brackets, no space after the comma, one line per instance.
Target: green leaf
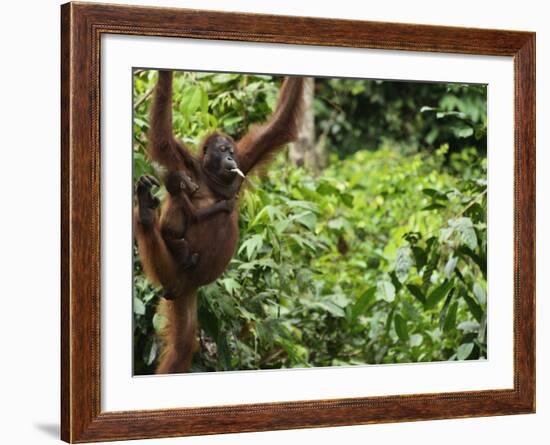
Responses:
[403,263]
[326,188]
[475,309]
[396,283]
[303,242]
[298,204]
[468,326]
[208,321]
[450,266]
[152,355]
[465,228]
[482,332]
[463,131]
[464,351]
[339,299]
[385,290]
[251,245]
[159,322]
[347,199]
[450,318]
[480,131]
[332,308]
[226,305]
[307,219]
[479,292]
[224,78]
[420,257]
[401,328]
[191,100]
[435,194]
[224,353]
[433,206]
[373,262]
[438,294]
[230,285]
[232,120]
[416,340]
[139,307]
[141,123]
[416,293]
[445,309]
[281,226]
[269,213]
[362,303]
[336,223]
[389,320]
[481,262]
[443,114]
[432,135]
[204,101]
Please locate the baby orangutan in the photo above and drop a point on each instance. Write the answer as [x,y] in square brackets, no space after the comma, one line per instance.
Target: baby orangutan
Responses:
[180,212]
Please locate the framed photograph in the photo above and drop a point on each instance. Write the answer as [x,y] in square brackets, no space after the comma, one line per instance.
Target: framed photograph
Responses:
[274,222]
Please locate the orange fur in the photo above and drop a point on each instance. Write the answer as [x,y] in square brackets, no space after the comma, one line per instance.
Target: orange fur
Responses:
[262,141]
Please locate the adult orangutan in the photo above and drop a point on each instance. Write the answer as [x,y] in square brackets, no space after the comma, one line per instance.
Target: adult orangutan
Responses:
[190,240]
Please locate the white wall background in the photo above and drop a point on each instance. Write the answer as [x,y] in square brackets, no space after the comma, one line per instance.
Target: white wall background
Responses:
[29,239]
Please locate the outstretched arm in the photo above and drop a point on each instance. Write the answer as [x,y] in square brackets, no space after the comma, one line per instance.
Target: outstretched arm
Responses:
[163,146]
[281,128]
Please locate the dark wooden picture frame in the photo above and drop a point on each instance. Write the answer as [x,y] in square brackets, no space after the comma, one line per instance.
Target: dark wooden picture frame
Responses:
[82,26]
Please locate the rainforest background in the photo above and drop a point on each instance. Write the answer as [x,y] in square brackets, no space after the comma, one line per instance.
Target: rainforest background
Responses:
[364,242]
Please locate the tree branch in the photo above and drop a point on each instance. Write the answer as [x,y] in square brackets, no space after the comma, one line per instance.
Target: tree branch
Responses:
[144,97]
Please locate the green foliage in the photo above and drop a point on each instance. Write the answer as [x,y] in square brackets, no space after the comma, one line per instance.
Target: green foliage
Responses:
[202,103]
[379,259]
[357,114]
